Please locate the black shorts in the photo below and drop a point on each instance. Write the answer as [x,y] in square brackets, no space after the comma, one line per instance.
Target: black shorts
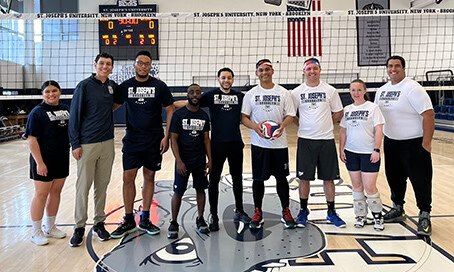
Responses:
[57,167]
[360,162]
[146,153]
[199,179]
[268,162]
[317,154]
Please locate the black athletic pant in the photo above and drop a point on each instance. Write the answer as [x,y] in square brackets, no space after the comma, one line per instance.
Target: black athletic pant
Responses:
[408,159]
[282,188]
[233,152]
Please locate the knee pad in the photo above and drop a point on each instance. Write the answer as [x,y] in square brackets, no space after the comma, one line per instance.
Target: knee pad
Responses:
[374,203]
[359,204]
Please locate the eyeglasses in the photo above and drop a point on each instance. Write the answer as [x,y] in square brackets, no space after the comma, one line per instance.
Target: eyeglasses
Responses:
[143,64]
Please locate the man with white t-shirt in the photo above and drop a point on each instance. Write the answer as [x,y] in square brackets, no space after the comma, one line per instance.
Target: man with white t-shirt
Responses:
[268,101]
[408,131]
[318,105]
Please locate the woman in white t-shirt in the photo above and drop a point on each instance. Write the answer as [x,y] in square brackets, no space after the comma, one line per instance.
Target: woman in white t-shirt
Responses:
[361,135]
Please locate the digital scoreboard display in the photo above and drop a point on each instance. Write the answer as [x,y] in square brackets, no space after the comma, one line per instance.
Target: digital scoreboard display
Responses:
[123,38]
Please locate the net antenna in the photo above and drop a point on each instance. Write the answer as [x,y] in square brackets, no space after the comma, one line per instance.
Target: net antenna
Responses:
[5,6]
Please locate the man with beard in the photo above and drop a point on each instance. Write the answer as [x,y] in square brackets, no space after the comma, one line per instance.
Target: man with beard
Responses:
[190,140]
[224,104]
[145,141]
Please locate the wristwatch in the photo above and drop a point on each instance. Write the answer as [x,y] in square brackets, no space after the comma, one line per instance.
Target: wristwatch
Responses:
[377,150]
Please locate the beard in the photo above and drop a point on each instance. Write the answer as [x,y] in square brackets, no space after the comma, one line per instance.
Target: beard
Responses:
[142,76]
[192,103]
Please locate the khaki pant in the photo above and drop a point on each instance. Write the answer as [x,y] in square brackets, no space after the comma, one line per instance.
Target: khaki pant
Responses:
[94,167]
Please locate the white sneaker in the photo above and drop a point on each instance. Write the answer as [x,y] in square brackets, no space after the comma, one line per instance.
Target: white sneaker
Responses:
[379,224]
[54,232]
[360,221]
[38,238]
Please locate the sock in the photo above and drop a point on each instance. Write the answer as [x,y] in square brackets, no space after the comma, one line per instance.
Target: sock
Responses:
[145,215]
[303,203]
[129,217]
[330,206]
[50,222]
[37,225]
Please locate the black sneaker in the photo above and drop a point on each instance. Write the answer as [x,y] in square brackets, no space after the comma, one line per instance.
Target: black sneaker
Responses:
[77,238]
[124,229]
[101,232]
[214,223]
[147,226]
[241,216]
[202,226]
[172,231]
[395,215]
[424,225]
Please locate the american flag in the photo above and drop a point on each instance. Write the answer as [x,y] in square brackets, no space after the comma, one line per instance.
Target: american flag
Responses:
[304,35]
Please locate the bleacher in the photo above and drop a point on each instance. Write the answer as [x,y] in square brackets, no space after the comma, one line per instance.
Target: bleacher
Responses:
[445,111]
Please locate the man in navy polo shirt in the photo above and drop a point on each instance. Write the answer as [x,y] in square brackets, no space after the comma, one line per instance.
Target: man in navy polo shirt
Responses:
[144,143]
[91,132]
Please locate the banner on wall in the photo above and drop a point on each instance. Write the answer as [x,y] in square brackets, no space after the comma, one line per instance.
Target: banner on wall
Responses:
[373,34]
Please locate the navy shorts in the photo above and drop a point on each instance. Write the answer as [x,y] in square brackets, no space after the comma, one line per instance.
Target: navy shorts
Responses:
[57,167]
[360,162]
[199,179]
[138,152]
[268,162]
[316,154]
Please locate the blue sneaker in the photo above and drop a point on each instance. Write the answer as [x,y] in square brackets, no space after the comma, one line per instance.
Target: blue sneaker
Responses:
[301,219]
[334,219]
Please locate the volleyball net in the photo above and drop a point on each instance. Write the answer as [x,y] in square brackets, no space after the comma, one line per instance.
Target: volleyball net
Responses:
[192,47]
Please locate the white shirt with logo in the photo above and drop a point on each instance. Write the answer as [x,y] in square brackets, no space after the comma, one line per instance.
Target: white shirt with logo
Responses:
[402,105]
[360,122]
[268,104]
[315,105]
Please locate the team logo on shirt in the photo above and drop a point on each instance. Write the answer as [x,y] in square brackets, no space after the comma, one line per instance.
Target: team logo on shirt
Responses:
[194,125]
[141,93]
[312,99]
[110,89]
[387,96]
[62,116]
[225,100]
[267,101]
[353,117]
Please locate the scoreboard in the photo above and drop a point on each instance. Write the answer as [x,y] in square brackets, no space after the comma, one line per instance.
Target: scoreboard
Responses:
[123,38]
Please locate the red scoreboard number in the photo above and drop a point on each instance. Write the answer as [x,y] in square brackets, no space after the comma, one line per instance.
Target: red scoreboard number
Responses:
[123,38]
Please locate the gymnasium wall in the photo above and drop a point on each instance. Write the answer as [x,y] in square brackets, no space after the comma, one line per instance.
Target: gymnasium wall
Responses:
[427,44]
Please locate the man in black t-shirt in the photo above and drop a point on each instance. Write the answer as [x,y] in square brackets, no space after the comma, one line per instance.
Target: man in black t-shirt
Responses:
[190,140]
[144,143]
[225,104]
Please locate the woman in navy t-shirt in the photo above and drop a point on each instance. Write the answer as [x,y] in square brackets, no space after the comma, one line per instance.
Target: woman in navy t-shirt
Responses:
[47,134]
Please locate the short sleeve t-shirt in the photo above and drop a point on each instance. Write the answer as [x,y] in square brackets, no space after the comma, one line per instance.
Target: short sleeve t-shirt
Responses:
[315,106]
[190,127]
[144,102]
[402,105]
[359,123]
[49,124]
[268,104]
[225,113]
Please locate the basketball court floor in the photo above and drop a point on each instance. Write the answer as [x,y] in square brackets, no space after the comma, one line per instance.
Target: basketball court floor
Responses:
[318,247]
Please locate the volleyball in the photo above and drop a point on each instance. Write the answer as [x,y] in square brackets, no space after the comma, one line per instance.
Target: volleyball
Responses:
[269,128]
